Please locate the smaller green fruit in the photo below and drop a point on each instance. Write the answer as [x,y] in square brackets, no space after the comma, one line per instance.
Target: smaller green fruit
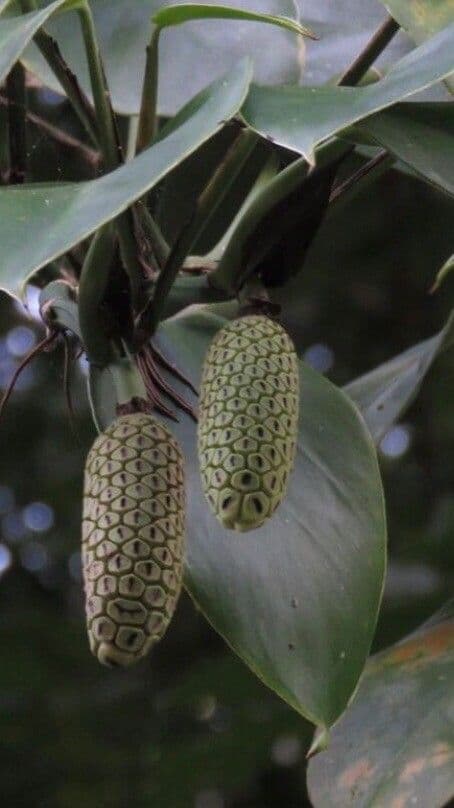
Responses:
[248,420]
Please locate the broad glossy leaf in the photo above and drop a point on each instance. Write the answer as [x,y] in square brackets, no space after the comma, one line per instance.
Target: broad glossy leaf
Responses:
[297,599]
[383,394]
[39,223]
[300,118]
[17,32]
[189,55]
[394,747]
[421,135]
[185,12]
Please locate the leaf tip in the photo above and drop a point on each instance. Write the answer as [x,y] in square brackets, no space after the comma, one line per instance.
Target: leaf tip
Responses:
[319,743]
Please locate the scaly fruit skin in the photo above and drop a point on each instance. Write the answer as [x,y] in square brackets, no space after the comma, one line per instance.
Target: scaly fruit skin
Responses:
[132,537]
[248,420]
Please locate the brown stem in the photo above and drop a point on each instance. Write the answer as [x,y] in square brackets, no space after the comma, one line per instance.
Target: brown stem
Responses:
[91,156]
[153,373]
[172,368]
[362,172]
[15,87]
[367,57]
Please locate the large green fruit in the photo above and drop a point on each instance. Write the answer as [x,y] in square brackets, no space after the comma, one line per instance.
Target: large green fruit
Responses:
[248,420]
[132,537]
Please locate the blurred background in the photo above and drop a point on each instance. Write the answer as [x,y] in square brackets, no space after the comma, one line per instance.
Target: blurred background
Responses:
[191,727]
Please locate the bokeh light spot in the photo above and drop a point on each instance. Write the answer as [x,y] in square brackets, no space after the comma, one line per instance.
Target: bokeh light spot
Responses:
[5,558]
[396,441]
[320,357]
[38,516]
[34,557]
[20,340]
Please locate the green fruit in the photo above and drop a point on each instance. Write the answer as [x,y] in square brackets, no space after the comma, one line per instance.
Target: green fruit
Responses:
[248,420]
[132,537]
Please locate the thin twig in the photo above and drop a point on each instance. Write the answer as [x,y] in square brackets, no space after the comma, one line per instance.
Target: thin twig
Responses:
[41,346]
[172,368]
[362,172]
[92,157]
[62,71]
[367,57]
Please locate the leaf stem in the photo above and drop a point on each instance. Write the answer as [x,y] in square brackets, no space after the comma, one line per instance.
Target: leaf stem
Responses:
[207,203]
[110,145]
[104,113]
[93,284]
[15,87]
[148,119]
[371,52]
[63,73]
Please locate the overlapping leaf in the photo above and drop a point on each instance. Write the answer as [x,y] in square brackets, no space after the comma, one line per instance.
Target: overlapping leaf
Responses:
[395,745]
[421,135]
[298,598]
[300,118]
[39,223]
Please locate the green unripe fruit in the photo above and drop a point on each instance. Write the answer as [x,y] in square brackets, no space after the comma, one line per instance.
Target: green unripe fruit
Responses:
[248,420]
[132,537]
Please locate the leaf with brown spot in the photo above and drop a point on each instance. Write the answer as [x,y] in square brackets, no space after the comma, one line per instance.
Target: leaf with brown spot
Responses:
[394,747]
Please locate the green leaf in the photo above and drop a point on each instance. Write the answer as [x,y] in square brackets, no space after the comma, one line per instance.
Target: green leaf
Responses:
[38,224]
[188,55]
[185,12]
[17,32]
[383,394]
[395,745]
[297,599]
[102,396]
[420,135]
[447,267]
[300,118]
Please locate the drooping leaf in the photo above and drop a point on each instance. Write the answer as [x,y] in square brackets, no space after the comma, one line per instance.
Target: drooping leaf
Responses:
[185,12]
[17,32]
[395,744]
[421,135]
[383,394]
[39,223]
[300,118]
[188,55]
[344,30]
[296,599]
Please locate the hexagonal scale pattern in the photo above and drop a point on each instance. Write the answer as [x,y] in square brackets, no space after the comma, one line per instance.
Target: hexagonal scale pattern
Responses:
[132,537]
[248,420]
